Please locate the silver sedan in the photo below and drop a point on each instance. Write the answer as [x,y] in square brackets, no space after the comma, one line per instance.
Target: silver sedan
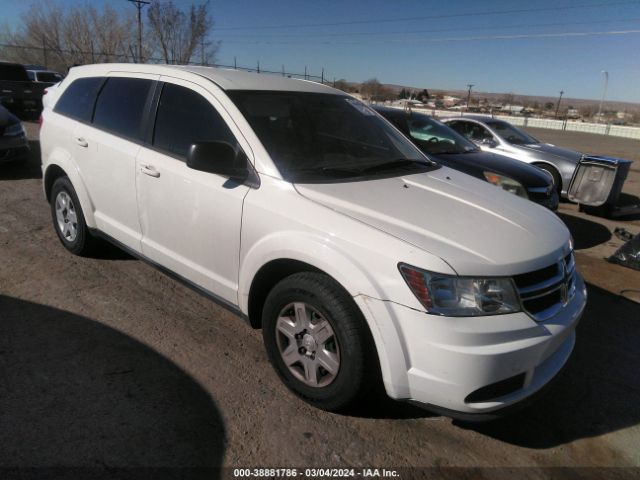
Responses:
[501,137]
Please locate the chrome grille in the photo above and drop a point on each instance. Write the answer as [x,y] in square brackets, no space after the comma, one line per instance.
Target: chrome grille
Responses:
[544,292]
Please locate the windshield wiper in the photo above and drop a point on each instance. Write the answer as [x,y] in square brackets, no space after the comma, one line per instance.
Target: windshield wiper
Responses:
[405,162]
[331,170]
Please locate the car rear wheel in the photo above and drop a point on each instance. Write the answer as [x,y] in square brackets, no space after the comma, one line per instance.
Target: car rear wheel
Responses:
[318,341]
[68,218]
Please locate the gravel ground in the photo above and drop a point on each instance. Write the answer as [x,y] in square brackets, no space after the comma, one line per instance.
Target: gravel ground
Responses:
[105,363]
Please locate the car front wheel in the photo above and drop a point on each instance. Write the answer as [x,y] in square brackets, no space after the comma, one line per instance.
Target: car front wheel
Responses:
[318,341]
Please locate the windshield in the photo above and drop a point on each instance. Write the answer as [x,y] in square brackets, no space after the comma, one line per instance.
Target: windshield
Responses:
[435,137]
[317,137]
[511,134]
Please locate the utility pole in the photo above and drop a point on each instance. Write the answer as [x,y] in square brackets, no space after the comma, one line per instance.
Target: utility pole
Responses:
[558,104]
[604,93]
[139,4]
[470,85]
[44,51]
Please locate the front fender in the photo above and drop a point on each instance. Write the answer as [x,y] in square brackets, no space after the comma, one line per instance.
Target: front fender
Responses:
[59,158]
[347,271]
[307,248]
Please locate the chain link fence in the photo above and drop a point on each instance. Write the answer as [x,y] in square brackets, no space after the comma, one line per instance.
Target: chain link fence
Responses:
[52,58]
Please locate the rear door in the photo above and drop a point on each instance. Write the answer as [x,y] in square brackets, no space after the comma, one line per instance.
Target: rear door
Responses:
[190,219]
[112,142]
[73,109]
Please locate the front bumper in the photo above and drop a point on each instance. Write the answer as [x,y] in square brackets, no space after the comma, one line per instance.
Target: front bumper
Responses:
[457,363]
[13,148]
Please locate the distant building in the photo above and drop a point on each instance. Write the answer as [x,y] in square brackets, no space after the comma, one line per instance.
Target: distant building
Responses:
[573,113]
[513,109]
[450,101]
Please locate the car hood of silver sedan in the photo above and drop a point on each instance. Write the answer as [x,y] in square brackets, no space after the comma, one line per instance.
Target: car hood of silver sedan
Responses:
[544,151]
[472,225]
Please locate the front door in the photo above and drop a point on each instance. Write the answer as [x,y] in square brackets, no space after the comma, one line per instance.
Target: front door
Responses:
[190,219]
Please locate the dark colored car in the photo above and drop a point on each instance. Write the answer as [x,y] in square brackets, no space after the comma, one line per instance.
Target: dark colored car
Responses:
[451,149]
[13,141]
[48,77]
[18,93]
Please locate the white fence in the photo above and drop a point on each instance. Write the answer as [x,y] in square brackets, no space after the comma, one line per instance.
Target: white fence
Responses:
[571,126]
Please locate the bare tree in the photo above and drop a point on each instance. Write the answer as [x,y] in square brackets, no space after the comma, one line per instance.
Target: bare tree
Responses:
[58,37]
[342,84]
[181,35]
[371,89]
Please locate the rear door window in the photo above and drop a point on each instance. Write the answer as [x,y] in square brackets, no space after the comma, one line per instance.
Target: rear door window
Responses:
[121,105]
[78,99]
[185,117]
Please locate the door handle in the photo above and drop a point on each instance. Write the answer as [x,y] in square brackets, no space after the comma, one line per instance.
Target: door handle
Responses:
[149,170]
[82,142]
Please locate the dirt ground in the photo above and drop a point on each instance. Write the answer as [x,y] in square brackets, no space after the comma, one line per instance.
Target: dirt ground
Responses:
[106,364]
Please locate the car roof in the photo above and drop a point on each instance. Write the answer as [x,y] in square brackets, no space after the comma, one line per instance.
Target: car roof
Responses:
[225,78]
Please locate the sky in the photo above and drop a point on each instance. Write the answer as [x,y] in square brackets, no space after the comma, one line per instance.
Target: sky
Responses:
[510,46]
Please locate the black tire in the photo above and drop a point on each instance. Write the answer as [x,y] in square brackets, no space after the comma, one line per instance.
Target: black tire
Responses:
[359,369]
[83,243]
[557,181]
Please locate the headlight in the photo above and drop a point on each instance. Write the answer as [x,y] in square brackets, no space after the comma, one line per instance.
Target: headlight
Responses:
[455,296]
[14,130]
[506,183]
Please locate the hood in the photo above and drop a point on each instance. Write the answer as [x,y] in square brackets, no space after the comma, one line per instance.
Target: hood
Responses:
[475,163]
[544,150]
[476,228]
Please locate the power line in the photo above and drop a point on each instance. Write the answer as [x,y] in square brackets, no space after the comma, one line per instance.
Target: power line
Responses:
[439,30]
[451,39]
[433,17]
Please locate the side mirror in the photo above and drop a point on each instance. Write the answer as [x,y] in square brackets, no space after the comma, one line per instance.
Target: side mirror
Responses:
[219,158]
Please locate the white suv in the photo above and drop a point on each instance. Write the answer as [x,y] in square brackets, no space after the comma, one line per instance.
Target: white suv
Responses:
[302,210]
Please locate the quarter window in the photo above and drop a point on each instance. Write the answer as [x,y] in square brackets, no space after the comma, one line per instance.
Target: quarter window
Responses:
[78,99]
[185,117]
[120,106]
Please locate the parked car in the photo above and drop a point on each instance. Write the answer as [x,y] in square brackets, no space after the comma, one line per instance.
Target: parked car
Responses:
[13,139]
[302,210]
[449,148]
[19,94]
[496,135]
[48,77]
